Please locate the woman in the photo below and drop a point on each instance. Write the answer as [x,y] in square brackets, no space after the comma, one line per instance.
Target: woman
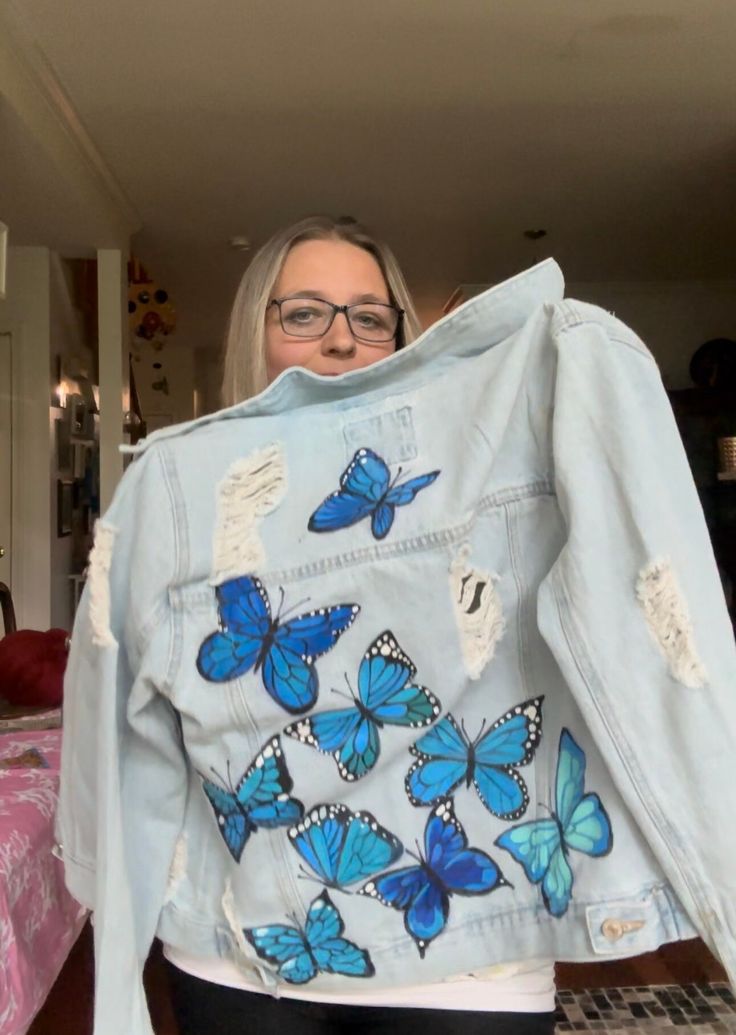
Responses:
[385,671]
[327,296]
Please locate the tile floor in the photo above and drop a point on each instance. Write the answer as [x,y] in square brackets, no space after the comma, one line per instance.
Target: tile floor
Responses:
[708,1009]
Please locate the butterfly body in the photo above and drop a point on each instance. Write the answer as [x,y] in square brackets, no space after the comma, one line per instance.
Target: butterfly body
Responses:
[579,823]
[448,759]
[386,697]
[284,652]
[260,800]
[448,867]
[319,947]
[366,490]
[342,847]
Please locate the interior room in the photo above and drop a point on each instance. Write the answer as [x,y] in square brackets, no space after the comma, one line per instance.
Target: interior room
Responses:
[147,154]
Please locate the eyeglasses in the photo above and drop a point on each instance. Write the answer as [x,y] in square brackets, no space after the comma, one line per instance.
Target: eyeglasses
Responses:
[371,322]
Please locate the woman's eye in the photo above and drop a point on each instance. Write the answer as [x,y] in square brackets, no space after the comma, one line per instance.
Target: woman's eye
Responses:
[367,320]
[302,315]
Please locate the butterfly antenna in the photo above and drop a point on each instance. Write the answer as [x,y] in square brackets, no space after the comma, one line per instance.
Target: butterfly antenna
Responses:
[224,783]
[352,692]
[480,731]
[294,607]
[341,693]
[395,479]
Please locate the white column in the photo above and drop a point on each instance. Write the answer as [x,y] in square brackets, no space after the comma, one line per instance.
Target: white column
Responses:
[26,315]
[112,323]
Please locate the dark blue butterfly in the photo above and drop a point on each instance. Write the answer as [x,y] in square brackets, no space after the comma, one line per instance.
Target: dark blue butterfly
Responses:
[343,847]
[580,822]
[261,799]
[285,652]
[386,695]
[366,489]
[448,868]
[318,948]
[447,758]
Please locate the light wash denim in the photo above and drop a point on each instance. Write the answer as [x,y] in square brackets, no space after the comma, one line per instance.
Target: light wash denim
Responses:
[564,502]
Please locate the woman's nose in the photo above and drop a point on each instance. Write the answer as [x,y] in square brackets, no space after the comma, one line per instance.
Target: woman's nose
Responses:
[339,340]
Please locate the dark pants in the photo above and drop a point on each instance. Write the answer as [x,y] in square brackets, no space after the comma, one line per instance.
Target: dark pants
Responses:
[204,1008]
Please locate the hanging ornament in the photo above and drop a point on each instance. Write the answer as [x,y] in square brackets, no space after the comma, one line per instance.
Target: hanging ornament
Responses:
[151,316]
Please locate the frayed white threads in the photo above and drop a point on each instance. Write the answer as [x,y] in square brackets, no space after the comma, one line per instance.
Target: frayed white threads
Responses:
[98,579]
[669,621]
[229,909]
[178,868]
[478,612]
[252,487]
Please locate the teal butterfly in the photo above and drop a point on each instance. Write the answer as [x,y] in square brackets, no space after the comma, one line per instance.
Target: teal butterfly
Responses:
[318,948]
[580,823]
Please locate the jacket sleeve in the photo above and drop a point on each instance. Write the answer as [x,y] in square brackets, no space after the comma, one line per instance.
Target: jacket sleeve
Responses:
[634,612]
[123,773]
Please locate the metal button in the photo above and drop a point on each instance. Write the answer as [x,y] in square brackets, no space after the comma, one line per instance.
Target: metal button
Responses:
[615,929]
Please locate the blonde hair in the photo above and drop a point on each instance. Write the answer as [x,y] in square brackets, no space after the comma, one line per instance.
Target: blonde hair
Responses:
[244,371]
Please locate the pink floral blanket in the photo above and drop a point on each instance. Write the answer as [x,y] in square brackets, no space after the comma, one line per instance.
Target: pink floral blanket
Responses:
[39,920]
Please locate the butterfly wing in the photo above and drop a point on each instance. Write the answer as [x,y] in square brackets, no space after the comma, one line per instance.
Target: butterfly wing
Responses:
[342,846]
[584,821]
[384,688]
[382,519]
[288,669]
[362,484]
[442,763]
[333,953]
[340,510]
[287,948]
[403,493]
[351,739]
[532,844]
[422,900]
[231,819]
[511,741]
[263,793]
[557,883]
[589,829]
[570,779]
[367,475]
[458,868]
[328,732]
[245,623]
[368,848]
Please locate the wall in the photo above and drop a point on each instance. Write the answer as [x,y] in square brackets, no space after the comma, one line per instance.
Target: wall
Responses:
[672,317]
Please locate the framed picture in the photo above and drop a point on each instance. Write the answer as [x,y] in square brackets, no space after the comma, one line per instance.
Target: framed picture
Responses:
[3,258]
[64,507]
[64,455]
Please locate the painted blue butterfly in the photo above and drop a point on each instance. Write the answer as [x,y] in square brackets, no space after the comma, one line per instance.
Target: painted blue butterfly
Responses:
[343,847]
[261,799]
[580,823]
[447,758]
[386,696]
[366,489]
[317,948]
[284,651]
[448,868]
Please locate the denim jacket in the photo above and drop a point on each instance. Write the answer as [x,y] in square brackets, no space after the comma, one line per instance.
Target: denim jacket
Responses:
[392,676]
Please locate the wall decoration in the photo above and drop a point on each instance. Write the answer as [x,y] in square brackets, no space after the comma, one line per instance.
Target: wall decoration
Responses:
[64,507]
[64,458]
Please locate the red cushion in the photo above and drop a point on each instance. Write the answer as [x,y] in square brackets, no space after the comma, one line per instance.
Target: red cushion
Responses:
[32,667]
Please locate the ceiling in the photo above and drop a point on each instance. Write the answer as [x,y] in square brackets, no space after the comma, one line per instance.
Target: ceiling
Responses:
[449,127]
